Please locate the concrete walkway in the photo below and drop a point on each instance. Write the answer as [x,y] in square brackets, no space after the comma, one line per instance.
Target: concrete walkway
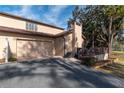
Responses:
[55,72]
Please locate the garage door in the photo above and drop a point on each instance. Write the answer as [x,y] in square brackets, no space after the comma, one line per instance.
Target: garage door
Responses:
[34,48]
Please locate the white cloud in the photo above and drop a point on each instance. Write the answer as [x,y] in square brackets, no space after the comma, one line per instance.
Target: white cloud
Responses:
[52,15]
[25,11]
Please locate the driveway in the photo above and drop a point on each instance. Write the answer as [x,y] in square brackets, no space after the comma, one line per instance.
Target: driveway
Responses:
[55,72]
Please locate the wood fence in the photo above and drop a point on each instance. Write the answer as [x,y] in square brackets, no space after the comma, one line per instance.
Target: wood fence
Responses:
[93,51]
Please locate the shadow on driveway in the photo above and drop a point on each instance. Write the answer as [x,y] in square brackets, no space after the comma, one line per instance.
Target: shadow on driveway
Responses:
[55,72]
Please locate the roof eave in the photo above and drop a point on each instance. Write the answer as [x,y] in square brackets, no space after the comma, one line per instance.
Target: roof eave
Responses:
[24,32]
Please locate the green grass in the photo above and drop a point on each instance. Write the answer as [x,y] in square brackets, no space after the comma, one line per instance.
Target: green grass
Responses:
[120,60]
[119,55]
[118,52]
[115,69]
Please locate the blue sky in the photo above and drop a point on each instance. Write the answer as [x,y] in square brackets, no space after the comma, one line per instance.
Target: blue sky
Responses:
[55,15]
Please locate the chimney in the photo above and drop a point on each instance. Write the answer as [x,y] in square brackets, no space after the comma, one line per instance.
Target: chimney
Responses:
[77,39]
[77,35]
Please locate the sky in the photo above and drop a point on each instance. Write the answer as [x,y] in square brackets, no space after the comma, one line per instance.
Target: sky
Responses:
[55,15]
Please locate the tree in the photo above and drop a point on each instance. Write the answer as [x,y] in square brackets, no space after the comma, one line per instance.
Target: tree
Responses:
[101,24]
[75,15]
[115,16]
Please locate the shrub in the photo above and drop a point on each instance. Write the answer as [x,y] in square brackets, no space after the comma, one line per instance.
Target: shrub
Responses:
[88,61]
[12,59]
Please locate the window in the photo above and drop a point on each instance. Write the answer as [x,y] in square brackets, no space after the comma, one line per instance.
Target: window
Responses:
[35,27]
[31,26]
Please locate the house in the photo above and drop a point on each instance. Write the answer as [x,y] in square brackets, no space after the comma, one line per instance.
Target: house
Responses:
[33,39]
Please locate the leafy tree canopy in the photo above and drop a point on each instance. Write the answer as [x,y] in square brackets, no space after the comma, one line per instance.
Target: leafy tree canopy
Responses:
[101,24]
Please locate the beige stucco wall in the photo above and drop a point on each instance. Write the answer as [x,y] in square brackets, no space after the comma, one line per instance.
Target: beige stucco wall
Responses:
[68,42]
[50,30]
[12,44]
[56,45]
[12,38]
[78,36]
[21,24]
[10,22]
[63,45]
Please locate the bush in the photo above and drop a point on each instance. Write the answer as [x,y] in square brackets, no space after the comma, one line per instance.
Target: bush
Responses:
[12,59]
[88,61]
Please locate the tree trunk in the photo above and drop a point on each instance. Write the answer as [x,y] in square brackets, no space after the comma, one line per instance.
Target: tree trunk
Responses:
[92,39]
[110,38]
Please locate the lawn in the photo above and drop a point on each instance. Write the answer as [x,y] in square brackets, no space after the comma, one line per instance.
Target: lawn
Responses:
[118,52]
[119,55]
[116,68]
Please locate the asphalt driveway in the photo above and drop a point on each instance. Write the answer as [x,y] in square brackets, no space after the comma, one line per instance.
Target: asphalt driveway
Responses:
[55,72]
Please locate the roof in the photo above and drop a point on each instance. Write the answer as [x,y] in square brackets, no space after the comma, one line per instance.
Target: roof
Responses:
[30,20]
[25,32]
[63,33]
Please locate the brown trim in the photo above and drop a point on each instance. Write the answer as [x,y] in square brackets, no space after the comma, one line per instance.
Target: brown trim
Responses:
[63,33]
[29,20]
[25,32]
[50,41]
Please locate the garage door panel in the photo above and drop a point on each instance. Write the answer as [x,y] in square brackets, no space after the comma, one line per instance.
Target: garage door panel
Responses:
[33,49]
